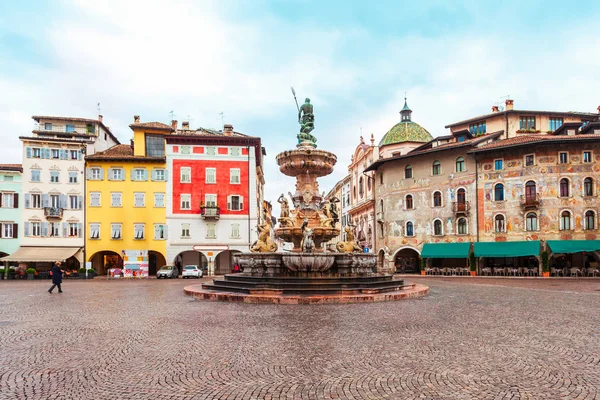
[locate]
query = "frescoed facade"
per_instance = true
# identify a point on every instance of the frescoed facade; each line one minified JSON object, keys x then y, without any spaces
{"x":11,"y":207}
{"x":126,"y":203}
{"x":213,"y":196}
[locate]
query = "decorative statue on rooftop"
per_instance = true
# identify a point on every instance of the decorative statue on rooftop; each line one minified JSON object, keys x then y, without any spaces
{"x":306,"y":119}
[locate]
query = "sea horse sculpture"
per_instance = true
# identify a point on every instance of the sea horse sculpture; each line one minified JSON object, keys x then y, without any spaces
{"x":350,"y":245}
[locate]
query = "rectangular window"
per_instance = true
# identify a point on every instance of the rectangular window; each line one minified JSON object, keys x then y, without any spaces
{"x":138,"y":231}
{"x":116,"y":174}
{"x":96,"y":174}
{"x":234,"y":175}
{"x":115,"y":199}
{"x":55,"y":201}
{"x":185,"y":150}
{"x":37,"y":153}
{"x":160,"y":232}
{"x":8,"y":200}
{"x":587,"y":156}
{"x":211,"y":150}
{"x":7,"y":231}
{"x":115,"y":231}
{"x":555,"y":123}
{"x":185,"y":202}
{"x":155,"y":146}
{"x":159,"y":199}
{"x":72,"y":177}
{"x":140,"y":174}
{"x":36,"y":201}
{"x":185,"y":230}
{"x":69,"y":128}
{"x":94,"y":231}
{"x":563,"y":157}
{"x":234,"y":151}
{"x":210,"y":200}
{"x":159,"y":175}
{"x":74,"y":154}
{"x":54,"y":176}
{"x":498,"y":165}
{"x":73,"y":229}
{"x":74,"y":202}
{"x":235,"y":231}
{"x":139,"y":199}
{"x":211,"y":231}
{"x":48,"y":126}
{"x":235,"y":203}
{"x":185,"y":175}
{"x":95,"y":199}
{"x":478,"y":128}
{"x":211,"y":175}
{"x":529,"y":160}
{"x":36,"y":229}
{"x":527,"y":123}
{"x":35,"y":175}
{"x":56,"y":153}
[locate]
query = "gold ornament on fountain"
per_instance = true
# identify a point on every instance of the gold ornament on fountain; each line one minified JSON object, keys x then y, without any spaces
{"x":264,"y":244}
{"x":350,"y":245}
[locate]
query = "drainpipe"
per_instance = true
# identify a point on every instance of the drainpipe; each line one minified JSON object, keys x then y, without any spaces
{"x":84,"y":213}
{"x":477,"y":195}
{"x":248,"y":200}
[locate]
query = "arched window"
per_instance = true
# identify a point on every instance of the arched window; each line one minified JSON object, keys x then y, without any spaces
{"x":461,"y":199}
{"x":565,"y":221}
{"x":436,"y":168}
{"x":460,"y":164}
{"x":499,"y":223}
{"x":409,"y":202}
{"x":361,"y":188}
{"x":408,"y":172}
{"x":410,"y":229}
{"x":590,"y":220}
{"x":499,"y":192}
{"x":437,"y":199}
{"x":588,"y":187}
{"x":462,"y":226}
{"x":530,"y":192}
{"x":531,"y":222}
{"x":437,"y":227}
{"x":564,"y":187}
{"x":354,"y":190}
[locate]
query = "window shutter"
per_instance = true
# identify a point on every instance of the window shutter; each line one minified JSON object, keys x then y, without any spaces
{"x":145,"y":175}
{"x":26,"y":228}
{"x":28,"y":152}
{"x":16,"y":200}
{"x":241,"y":202}
{"x":15,"y":231}
{"x":229,"y":202}
{"x":88,"y":174}
{"x":44,"y":229}
{"x":47,"y":152}
{"x":110,"y":174}
{"x":1,"y":200}
{"x":153,"y":175}
{"x":166,"y":175}
{"x":156,"y":231}
{"x":65,"y":227}
{"x":102,"y":173}
{"x":79,"y":155}
{"x":80,"y":229}
{"x":27,"y":200}
{"x":132,"y":177}
{"x":45,"y":200}
{"x":165,"y":231}
{"x":63,"y":201}
{"x":63,"y":154}
{"x":79,"y":202}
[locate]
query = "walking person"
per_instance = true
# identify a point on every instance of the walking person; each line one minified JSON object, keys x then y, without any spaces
{"x":56,"y":277}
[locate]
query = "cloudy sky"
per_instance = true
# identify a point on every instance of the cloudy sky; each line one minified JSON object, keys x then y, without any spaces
{"x":354,"y":59}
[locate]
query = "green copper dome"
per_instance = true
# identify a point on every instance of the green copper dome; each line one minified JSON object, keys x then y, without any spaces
{"x":406,"y":130}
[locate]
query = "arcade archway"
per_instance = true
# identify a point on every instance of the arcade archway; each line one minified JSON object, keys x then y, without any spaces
{"x":406,"y":261}
{"x":224,"y":262}
{"x":155,"y":261}
{"x":190,"y":257}
{"x":102,"y":261}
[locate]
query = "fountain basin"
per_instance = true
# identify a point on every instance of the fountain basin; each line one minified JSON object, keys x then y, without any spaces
{"x":300,"y":161}
{"x":303,"y":262}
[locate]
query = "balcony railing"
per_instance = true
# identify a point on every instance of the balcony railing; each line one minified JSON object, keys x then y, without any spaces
{"x":81,"y":130}
{"x":53,"y":212}
{"x":461,"y":207}
{"x":530,"y":200}
{"x":210,"y":212}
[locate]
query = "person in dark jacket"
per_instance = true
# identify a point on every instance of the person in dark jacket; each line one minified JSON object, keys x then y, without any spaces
{"x":56,"y":277}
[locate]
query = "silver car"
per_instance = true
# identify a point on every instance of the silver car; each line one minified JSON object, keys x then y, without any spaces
{"x":168,"y":271}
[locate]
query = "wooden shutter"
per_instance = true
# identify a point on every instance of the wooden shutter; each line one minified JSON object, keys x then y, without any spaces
{"x":15,"y":231}
{"x":145,"y":174}
{"x":27,"y":200}
{"x":88,"y":174}
{"x":229,"y":202}
{"x":26,"y":228}
{"x":80,"y":202}
{"x":45,"y":200}
{"x":1,"y":196}
{"x":63,"y":201}
{"x":28,"y":152}
{"x":16,"y":200}
{"x":132,"y":177}
{"x":153,"y":174}
{"x":241,"y":202}
{"x":65,"y":227}
{"x":44,"y":229}
{"x":101,"y":173}
{"x":80,"y":229}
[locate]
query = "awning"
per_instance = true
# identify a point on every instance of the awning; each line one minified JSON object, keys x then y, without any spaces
{"x":507,"y":249}
{"x":41,"y":254}
{"x":446,"y":250}
{"x":573,"y":246}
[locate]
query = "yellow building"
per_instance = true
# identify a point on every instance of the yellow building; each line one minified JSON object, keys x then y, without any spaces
{"x":126,"y":203}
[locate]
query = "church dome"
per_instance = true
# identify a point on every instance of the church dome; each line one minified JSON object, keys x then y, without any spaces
{"x":406,"y":130}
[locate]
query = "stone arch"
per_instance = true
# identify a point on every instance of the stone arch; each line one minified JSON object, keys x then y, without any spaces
{"x":224,"y":262}
{"x":105,"y":259}
{"x":406,"y":259}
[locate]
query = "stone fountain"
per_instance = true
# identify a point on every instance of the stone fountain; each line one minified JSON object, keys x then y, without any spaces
{"x":308,"y":271}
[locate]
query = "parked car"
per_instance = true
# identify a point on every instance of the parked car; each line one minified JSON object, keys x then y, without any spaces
{"x":191,"y":271}
{"x":168,"y":271}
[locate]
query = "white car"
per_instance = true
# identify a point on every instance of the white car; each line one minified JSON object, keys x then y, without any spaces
{"x":191,"y":271}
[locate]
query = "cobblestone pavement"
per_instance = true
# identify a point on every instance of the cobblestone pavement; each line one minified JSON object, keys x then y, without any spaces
{"x":145,"y":340}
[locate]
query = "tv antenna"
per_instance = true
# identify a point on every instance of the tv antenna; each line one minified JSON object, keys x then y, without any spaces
{"x":222,"y":118}
{"x":171,"y":114}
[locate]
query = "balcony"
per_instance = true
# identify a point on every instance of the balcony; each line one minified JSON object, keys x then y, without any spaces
{"x":53,"y":212}
{"x":73,"y":130}
{"x":530,"y":200}
{"x":210,"y":212}
{"x":461,"y":207}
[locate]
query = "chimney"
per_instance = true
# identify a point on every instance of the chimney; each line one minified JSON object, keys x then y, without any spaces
{"x":495,"y":109}
{"x":185,"y":125}
{"x":99,"y":118}
{"x":131,"y":143}
{"x":228,"y":130}
{"x":174,"y":124}
{"x":598,"y":109}
{"x":136,"y":119}
{"x":509,"y":104}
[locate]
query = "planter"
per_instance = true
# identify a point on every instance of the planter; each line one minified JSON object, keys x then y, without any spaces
{"x":1,"y":276}
{"x":473,"y":273}
{"x":423,"y":272}
{"x":30,"y":276}
{"x":546,"y":274}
